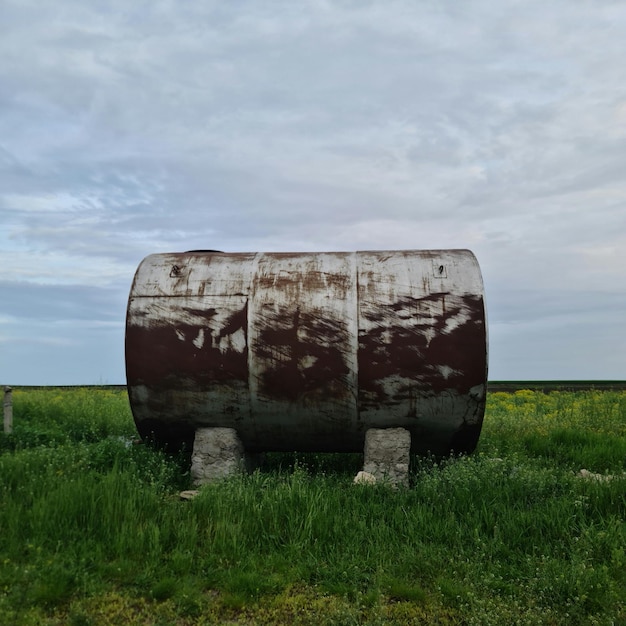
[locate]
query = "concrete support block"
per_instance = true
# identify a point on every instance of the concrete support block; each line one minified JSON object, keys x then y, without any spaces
{"x":387,"y":455}
{"x":217,"y":453}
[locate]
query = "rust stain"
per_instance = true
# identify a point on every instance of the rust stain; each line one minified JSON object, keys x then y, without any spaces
{"x":156,"y":356}
{"x":417,"y":351}
{"x":412,"y":355}
{"x":300,"y":357}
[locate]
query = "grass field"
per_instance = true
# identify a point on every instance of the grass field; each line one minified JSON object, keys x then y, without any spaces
{"x":92,"y":530}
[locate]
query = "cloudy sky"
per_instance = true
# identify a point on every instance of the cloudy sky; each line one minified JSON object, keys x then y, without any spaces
{"x":128,"y":128}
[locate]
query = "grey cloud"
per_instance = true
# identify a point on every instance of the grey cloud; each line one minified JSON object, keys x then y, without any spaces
{"x":129,"y":129}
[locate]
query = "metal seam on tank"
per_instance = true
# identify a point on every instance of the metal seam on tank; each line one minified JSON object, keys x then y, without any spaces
{"x":251,"y":307}
{"x":355,"y":336}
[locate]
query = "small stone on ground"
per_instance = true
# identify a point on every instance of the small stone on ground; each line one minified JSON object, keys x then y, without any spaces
{"x":364,"y":478}
{"x":189,"y":494}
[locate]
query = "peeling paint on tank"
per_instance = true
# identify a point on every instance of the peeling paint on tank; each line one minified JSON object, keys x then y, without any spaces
{"x":306,"y":351}
{"x":198,"y":342}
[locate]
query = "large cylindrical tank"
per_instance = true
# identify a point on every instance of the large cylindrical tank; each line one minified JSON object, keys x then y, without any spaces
{"x":307,"y":351}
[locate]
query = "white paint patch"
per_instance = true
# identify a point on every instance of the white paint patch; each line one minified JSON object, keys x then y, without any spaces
{"x":235,"y":342}
{"x":445,"y":371}
{"x":307,"y":361}
{"x":454,"y":322}
{"x":199,"y":340}
{"x":180,"y":334}
{"x":429,"y":334}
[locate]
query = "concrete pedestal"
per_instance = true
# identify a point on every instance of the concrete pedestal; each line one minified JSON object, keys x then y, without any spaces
{"x":386,"y":455}
{"x":217,"y":453}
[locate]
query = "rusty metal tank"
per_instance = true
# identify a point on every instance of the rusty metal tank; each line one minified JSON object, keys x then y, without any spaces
{"x":307,"y":351}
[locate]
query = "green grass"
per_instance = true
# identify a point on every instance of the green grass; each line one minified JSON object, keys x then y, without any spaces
{"x":92,"y":530}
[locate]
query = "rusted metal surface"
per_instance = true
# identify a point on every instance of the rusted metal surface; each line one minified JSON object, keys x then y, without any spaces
{"x":307,"y":351}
